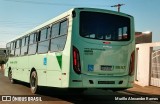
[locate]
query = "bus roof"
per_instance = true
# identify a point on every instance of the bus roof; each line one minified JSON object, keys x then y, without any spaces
{"x":65,"y":14}
{"x":43,"y":24}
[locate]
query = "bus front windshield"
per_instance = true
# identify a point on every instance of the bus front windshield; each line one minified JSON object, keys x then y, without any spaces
{"x":103,"y":26}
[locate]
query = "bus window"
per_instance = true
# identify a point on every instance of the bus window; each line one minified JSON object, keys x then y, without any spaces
{"x":17,"y":43}
{"x":48,"y":32}
{"x":58,"y":44}
{"x":55,"y":30}
{"x":12,"y":49}
{"x":31,"y":39}
{"x":8,"y":48}
{"x":43,"y":46}
{"x":23,"y":41}
{"x":24,"y":46}
{"x":33,"y":45}
{"x":43,"y":34}
{"x":17,"y":49}
{"x":27,"y":40}
{"x":103,"y":26}
{"x":32,"y":49}
{"x":122,"y":33}
{"x":63,"y":28}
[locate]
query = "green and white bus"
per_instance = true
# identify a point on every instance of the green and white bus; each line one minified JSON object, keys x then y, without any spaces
{"x":81,"y":48}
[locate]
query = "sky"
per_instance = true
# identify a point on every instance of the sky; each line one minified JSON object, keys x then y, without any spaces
{"x":19,"y":16}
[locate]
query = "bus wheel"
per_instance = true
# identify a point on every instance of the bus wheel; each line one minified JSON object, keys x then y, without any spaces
{"x":10,"y":77}
{"x":33,"y":82}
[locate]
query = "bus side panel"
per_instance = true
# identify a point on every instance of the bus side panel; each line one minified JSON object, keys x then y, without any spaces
{"x":54,"y":78}
{"x":59,"y":63}
{"x":8,"y":64}
{"x":13,"y":65}
{"x":22,"y":66}
{"x":66,"y":68}
{"x":66,"y":57}
{"x":53,"y":71}
{"x":40,"y":68}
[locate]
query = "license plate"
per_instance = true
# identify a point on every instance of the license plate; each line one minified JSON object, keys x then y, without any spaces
{"x":106,"y":68}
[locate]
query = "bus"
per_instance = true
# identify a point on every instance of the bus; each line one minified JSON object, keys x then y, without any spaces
{"x":79,"y":49}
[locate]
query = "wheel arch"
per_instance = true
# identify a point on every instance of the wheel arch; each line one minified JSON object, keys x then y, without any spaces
{"x":33,"y":69}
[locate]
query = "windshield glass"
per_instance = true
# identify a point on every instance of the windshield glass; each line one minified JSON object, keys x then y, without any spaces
{"x":103,"y":26}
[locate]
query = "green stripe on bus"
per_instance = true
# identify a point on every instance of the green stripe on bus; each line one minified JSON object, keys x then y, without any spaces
{"x":59,"y":59}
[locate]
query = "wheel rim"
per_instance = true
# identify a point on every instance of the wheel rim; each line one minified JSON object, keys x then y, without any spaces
{"x":33,"y":82}
{"x":10,"y":76}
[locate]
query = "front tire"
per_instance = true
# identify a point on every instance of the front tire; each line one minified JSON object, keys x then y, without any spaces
{"x":34,"y":82}
{"x":10,"y":77}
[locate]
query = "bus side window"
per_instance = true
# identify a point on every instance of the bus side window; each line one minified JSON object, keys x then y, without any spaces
{"x":24,"y":46}
{"x":27,"y":45}
{"x":33,"y":44}
{"x":58,"y":43}
{"x":8,"y":49}
{"x":55,"y":30}
{"x":63,"y":27}
{"x":17,"y":49}
{"x":12,"y":53}
{"x":48,"y":32}
{"x":27,"y":40}
{"x":43,"y":45}
{"x":36,"y":37}
{"x":31,"y":39}
{"x":43,"y":34}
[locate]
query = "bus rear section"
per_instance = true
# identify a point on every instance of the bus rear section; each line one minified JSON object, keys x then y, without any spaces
{"x":103,"y":51}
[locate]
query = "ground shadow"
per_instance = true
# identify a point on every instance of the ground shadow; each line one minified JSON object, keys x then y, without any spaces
{"x":94,"y":96}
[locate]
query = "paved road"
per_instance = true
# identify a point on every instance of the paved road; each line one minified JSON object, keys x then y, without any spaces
{"x":64,"y":97}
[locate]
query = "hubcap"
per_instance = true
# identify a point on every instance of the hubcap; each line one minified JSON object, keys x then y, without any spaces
{"x":33,"y":82}
{"x":10,"y":76}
